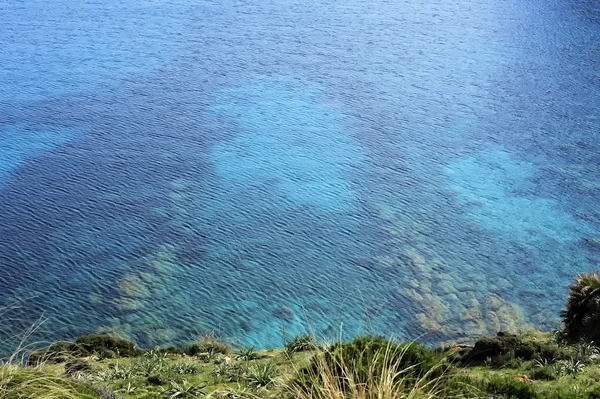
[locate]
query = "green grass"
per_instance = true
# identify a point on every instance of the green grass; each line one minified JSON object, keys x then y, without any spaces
{"x":21,"y":382}
{"x":158,"y":375}
{"x":366,"y":368}
{"x":572,"y":377}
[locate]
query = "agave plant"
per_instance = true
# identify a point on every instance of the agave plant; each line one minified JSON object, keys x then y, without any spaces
{"x":262,"y":375}
{"x":301,"y":343}
{"x":117,"y":371}
{"x":571,"y":366}
{"x":543,"y":362}
{"x":185,"y":368}
{"x":586,"y":352}
{"x":183,"y":390}
{"x":246,"y":353}
{"x":581,"y":318}
{"x":229,"y":372}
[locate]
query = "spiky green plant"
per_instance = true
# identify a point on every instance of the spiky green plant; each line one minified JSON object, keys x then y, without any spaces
{"x":301,"y":343}
{"x":116,"y":371}
{"x":208,"y":345}
{"x":261,"y":375}
{"x":246,"y":353}
{"x":373,"y":368}
{"x":153,"y":362}
{"x":185,"y":368}
{"x":587,"y":352}
{"x":581,"y":318}
{"x":571,"y":366}
{"x":183,"y":390}
{"x":230,"y":372}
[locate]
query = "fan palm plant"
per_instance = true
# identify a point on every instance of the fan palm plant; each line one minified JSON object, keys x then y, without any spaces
{"x":582,"y":315}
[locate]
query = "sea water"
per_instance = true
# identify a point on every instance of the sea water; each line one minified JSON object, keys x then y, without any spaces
{"x":425,"y":170}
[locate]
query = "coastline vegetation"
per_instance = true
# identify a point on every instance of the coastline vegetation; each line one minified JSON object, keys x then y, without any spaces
{"x":562,"y":364}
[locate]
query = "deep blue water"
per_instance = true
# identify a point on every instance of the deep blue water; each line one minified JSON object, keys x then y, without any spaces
{"x":423,"y":169}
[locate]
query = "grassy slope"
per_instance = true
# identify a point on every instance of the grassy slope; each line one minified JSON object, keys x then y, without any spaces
{"x":577,"y":382}
{"x":140,"y":386}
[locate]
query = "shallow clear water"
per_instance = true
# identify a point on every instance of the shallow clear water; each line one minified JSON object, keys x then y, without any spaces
{"x":424,"y":169}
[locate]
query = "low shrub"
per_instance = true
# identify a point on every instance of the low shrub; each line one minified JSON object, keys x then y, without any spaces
{"x":155,"y":380}
{"x":301,"y":343}
{"x":55,"y":353}
{"x":207,"y":344}
{"x":246,"y":353}
{"x":18,"y":382}
{"x":185,"y":368}
{"x":152,"y":363}
{"x":594,"y":392}
{"x":173,"y":350}
{"x":545,"y":373}
{"x":366,"y":361}
{"x":488,"y":347}
{"x":501,"y":360}
{"x":363,"y":351}
{"x":75,"y":366}
{"x":101,"y":345}
{"x":229,"y":372}
{"x":507,"y":387}
{"x":261,"y":375}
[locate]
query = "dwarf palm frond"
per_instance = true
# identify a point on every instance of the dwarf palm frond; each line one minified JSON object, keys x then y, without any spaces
{"x":582,"y":315}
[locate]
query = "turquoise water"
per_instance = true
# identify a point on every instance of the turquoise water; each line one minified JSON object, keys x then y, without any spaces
{"x":425,"y":170}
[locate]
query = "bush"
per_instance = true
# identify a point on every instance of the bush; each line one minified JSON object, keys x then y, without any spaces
{"x":301,"y":343}
{"x":75,"y":366}
{"x":208,"y":343}
{"x":362,"y":351}
{"x":55,"y":353}
{"x":594,"y":393}
{"x":513,"y":347}
{"x":154,"y":380}
{"x":501,"y":360}
{"x":102,"y":344}
{"x":546,"y":373}
{"x":367,"y":359}
{"x":508,"y":387}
